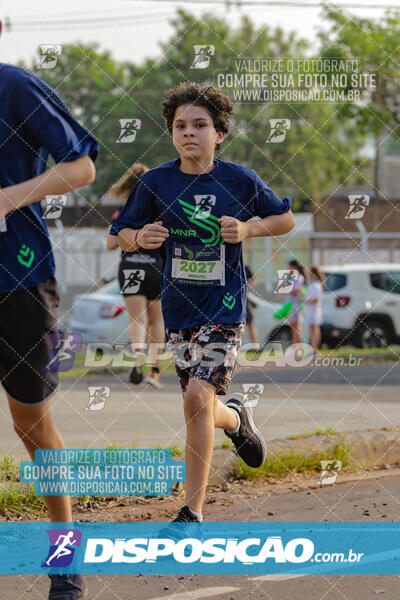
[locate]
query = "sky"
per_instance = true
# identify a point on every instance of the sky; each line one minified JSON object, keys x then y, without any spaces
{"x":145,"y":23}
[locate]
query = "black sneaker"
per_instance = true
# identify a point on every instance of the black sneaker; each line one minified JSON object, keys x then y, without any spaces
{"x":192,"y":527}
{"x":67,"y":587}
{"x":136,"y":375}
{"x":248,"y":441}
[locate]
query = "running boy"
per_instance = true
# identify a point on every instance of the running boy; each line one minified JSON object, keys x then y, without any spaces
{"x":195,"y":208}
{"x":34,"y":122}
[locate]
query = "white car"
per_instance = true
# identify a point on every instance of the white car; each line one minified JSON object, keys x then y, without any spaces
{"x":361,"y":304}
{"x":269,"y":328}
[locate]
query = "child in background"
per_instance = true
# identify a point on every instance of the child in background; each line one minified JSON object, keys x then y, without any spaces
{"x":313,"y":305}
{"x":295,"y":296}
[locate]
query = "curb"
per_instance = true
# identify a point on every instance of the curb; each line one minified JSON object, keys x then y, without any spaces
{"x":367,"y":448}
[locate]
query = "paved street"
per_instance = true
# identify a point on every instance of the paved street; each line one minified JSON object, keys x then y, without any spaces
{"x":342,"y":502}
{"x":290,"y":404}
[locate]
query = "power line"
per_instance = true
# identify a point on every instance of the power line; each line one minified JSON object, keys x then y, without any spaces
{"x":283,"y":3}
{"x":90,"y":23}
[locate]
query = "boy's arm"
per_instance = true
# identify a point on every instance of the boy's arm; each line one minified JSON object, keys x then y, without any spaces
{"x":150,"y":236}
{"x":61,"y":178}
{"x":112,"y":242}
{"x":234,"y":231}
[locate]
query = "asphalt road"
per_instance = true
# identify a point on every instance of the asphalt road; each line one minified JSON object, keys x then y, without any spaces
{"x":341,"y":502}
{"x":293,"y":401}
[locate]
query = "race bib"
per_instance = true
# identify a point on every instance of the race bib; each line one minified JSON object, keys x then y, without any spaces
{"x":198,"y":265}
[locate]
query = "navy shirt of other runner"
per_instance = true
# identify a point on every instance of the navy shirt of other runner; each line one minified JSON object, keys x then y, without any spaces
{"x":189,"y":206}
{"x":34,"y":123}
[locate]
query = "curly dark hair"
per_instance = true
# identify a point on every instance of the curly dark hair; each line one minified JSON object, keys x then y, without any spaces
{"x":218,"y":105}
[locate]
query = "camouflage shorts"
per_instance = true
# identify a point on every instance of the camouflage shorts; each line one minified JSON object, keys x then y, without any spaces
{"x":207,"y":352}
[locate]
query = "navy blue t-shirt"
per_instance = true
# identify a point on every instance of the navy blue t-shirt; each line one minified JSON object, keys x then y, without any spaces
{"x":203,"y":280}
{"x":34,"y":123}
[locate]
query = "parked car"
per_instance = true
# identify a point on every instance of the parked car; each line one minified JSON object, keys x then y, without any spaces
{"x":101,"y":316}
{"x":361,"y":305}
{"x":269,"y":328}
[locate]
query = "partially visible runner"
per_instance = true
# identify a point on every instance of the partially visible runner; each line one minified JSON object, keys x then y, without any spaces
{"x":139,"y":276}
{"x":253,"y":332}
{"x":35,"y":123}
{"x":295,"y":318}
{"x":195,"y":208}
{"x":313,"y":306}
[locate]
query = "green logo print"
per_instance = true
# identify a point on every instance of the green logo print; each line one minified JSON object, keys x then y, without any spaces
{"x":229,"y":301}
{"x":25,"y":256}
{"x":189,"y":252}
{"x":210,"y":224}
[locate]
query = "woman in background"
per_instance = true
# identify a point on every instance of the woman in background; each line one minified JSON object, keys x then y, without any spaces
{"x":139,"y":277}
{"x":299,"y":278}
{"x":313,"y":305}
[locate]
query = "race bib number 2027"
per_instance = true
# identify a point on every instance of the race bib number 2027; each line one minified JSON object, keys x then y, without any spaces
{"x":198,"y":265}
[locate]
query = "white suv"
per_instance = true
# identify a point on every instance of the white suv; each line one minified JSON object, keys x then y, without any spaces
{"x":361,"y":305}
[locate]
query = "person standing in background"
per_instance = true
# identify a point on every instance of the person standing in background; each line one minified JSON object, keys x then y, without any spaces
{"x":299,"y":278}
{"x":139,"y":276}
{"x":313,"y":306}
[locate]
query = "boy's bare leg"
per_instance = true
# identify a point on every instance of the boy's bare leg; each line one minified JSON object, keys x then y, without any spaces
{"x":35,"y":427}
{"x":137,"y":311}
{"x":201,"y":408}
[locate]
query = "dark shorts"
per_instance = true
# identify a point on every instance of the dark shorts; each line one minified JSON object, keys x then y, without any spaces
{"x":207,"y":352}
{"x":26,"y":319}
{"x":140,"y":278}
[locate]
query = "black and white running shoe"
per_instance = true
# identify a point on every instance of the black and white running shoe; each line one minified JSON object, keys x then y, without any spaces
{"x":248,"y":441}
{"x":185,"y":525}
{"x":136,"y":375}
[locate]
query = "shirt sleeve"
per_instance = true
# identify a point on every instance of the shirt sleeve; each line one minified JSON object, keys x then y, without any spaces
{"x":139,"y":209}
{"x":46,"y":117}
{"x":265,"y":201}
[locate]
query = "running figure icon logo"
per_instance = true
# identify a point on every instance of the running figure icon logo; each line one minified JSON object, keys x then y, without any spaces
{"x":358,"y":205}
{"x":63,"y":543}
{"x":286,"y":279}
{"x":49,"y":54}
{"x":252,"y":393}
{"x":63,"y":348}
{"x":98,"y":395}
{"x":54,"y":206}
{"x":202,"y":56}
{"x":279,"y":129}
{"x":329,"y":471}
{"x":129,"y":128}
{"x":132,"y":280}
{"x":204,"y":204}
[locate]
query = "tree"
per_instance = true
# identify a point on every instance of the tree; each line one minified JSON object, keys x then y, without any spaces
{"x":376,"y":42}
{"x":320,"y":150}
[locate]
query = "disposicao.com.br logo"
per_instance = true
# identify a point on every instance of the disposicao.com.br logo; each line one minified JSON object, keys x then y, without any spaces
{"x":247,"y":551}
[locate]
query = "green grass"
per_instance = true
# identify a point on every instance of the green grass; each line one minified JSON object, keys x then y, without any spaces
{"x":19,"y":499}
{"x":16,"y":498}
{"x":306,"y":434}
{"x":281,"y":464}
{"x":227,"y":444}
